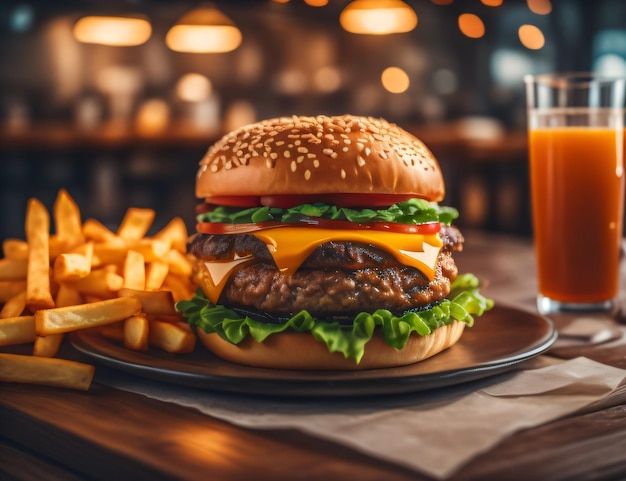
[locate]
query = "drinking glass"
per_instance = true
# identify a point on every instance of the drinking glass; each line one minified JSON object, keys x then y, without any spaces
{"x":575,"y":140}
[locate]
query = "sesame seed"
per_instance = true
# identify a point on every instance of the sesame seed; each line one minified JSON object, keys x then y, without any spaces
{"x":328,"y":152}
{"x":316,"y":163}
{"x":343,"y":174}
{"x":286,"y":154}
{"x":294,"y":166}
{"x":307,"y":174}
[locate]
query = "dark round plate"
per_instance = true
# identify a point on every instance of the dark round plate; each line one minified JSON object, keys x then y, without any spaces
{"x":497,"y":342}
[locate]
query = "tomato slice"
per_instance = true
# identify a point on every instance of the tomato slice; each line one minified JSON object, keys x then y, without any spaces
{"x":234,"y":200}
{"x":317,"y":222}
{"x":286,"y":201}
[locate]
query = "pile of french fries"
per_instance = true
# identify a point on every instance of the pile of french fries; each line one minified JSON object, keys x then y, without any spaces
{"x":121,"y":284}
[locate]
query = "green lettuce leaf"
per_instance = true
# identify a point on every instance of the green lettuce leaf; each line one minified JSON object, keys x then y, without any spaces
{"x":464,"y":302}
{"x":413,"y":211}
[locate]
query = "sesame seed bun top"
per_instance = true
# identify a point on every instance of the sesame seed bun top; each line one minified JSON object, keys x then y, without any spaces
{"x":320,"y":155}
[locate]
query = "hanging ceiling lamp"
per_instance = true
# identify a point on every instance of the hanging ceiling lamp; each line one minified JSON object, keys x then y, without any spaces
{"x":118,"y":31}
{"x":204,"y":30}
{"x":378,"y":17}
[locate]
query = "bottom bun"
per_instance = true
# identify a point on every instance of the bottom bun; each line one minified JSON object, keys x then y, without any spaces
{"x":294,"y":350}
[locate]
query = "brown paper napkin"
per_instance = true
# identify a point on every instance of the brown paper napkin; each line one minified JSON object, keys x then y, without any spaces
{"x":447,"y":427}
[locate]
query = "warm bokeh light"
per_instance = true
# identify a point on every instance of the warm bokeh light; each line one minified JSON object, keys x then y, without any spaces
{"x":540,"y":7}
{"x":471,"y":25}
{"x":492,"y":3}
{"x":395,"y":80}
{"x":316,"y":3}
{"x":327,"y":79}
{"x":204,"y":30}
{"x":152,"y":117}
{"x":531,"y":37}
{"x":114,"y":31}
{"x":193,"y":87}
{"x":378,"y":17}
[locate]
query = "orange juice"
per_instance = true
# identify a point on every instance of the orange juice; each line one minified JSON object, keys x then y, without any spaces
{"x":577,"y":182}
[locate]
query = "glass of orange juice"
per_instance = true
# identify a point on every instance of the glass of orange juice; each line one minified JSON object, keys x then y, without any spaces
{"x":575,"y":141}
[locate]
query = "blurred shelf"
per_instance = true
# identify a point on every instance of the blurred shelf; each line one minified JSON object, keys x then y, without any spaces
{"x":444,"y":140}
{"x":65,"y":137}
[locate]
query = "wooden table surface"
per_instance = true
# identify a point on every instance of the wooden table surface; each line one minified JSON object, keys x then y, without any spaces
{"x":107,"y":434}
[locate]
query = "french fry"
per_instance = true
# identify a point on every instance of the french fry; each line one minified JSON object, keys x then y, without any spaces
{"x":156,"y":272}
{"x":113,"y":331}
{"x":47,"y":371}
{"x":15,"y":249}
{"x":67,"y":219}
{"x":178,"y":263}
{"x":38,"y":294}
{"x":100,"y":283}
{"x":152,"y":302}
{"x":136,"y":333}
{"x":71,"y":267}
{"x":181,"y":288}
{"x":176,"y":233}
{"x":14,"y":307}
{"x":96,"y":231}
{"x":12,"y":269}
{"x":17,"y":330}
{"x":136,"y":223}
{"x":67,"y":295}
{"x":170,"y":337}
{"x":8,"y":289}
{"x":47,"y":346}
{"x":151,"y":249}
{"x":134,"y":271}
{"x":72,"y":318}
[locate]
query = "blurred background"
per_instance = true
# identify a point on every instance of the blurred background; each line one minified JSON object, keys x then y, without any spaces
{"x":117,"y":100}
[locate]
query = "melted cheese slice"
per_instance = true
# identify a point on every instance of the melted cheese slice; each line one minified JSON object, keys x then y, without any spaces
{"x":290,"y":246}
{"x":217,"y":273}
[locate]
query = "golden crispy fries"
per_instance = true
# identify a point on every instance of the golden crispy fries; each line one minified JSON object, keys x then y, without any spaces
{"x":136,"y":333}
{"x":100,"y":283}
{"x":114,"y":331}
{"x":38,"y":294}
{"x":98,"y":232}
{"x":181,"y":288}
{"x":134,"y":271}
{"x":47,"y":346}
{"x":151,"y":249}
{"x":67,"y":295}
{"x":156,"y":272}
{"x":17,"y":330}
{"x":15,"y":249}
{"x":14,"y":307}
{"x":72,"y":318}
{"x":67,"y":219}
{"x":47,"y":371}
{"x":8,"y":289}
{"x":176,"y":233}
{"x":170,"y":337}
{"x":71,"y":267}
{"x":178,"y":263}
{"x":136,"y":223}
{"x":11,"y":269}
{"x":119,"y":284}
{"x":152,"y":302}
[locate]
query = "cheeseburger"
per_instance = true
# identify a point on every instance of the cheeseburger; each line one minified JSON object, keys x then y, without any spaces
{"x":321,"y":245}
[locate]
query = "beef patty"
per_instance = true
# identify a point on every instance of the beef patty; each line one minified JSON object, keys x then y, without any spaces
{"x":338,"y":279}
